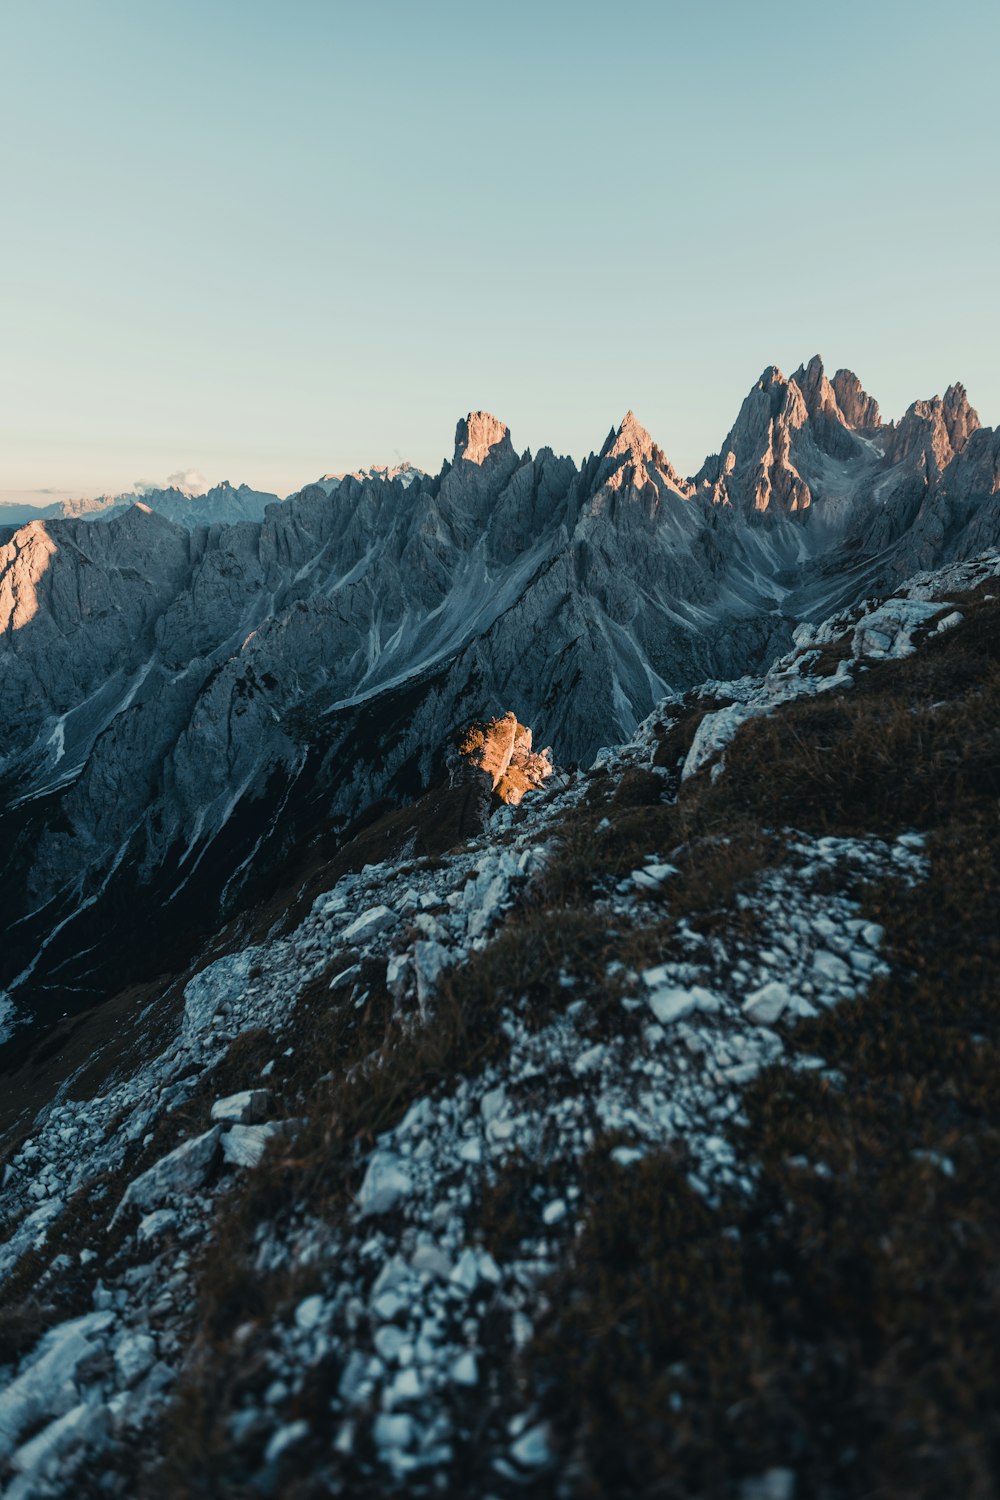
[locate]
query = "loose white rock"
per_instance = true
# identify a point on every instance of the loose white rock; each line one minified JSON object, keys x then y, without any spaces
{"x":465,"y":1371}
{"x":45,"y":1388}
{"x":493,"y":1103}
{"x":466,"y":1272}
{"x":830,"y":967}
{"x":370,"y":923}
{"x":765,"y":1005}
{"x":44,"y":1456}
{"x":775,"y":1484}
{"x":388,"y":1341}
{"x":284,"y":1438}
{"x":392,"y":1431}
{"x":385,"y":1184}
{"x":309,"y":1313}
{"x":134,"y":1355}
{"x":244,"y":1145}
{"x":675,"y":1001}
{"x":429,"y":962}
{"x":158,"y":1222}
{"x":182,"y":1171}
{"x":243,"y":1108}
{"x":532,"y":1448}
{"x":432,"y":1261}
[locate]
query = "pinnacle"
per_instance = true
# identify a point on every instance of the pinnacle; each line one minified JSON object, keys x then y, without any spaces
{"x":629,"y":437}
{"x":478,"y":435}
{"x":812,"y":369}
{"x":632,"y":427}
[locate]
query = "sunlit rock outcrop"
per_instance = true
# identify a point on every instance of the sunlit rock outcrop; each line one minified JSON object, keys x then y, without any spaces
{"x":756,"y":470}
{"x":501,"y":751}
{"x":479,"y":437}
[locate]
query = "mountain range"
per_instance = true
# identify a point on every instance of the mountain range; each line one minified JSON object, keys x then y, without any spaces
{"x":499,"y":991}
{"x":221,"y":505}
{"x":195,"y":689}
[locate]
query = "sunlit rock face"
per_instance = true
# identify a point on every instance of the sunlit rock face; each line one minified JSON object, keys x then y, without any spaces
{"x":805,"y":438}
{"x":934,"y":432}
{"x":501,"y":751}
{"x":858,"y":409}
{"x":23,"y":565}
{"x":479,"y":437}
{"x":756,"y":470}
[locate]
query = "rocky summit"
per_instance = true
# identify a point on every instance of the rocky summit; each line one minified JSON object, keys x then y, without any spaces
{"x":390,"y":1107}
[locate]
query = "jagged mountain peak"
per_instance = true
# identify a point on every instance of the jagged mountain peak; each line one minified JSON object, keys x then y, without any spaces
{"x":631,"y":437}
{"x":480,"y":436}
{"x":811,"y":374}
{"x":404,"y":471}
{"x":797,"y":438}
{"x":960,"y":418}
{"x":630,"y":454}
{"x":628,"y":438}
{"x":954,"y":404}
{"x":771,"y":378}
{"x":755,"y":470}
{"x":936,"y":428}
{"x":958,"y":409}
{"x":857,"y":407}
{"x":819,"y":392}
{"x":631,"y":424}
{"x":842,"y":399}
{"x":829,"y":426}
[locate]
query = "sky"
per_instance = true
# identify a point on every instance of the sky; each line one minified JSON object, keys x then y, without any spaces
{"x":266,"y":239}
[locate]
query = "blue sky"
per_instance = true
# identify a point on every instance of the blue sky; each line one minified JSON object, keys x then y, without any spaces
{"x":266,"y":240}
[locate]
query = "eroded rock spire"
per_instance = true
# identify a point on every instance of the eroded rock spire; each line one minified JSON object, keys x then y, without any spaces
{"x":480,"y":436}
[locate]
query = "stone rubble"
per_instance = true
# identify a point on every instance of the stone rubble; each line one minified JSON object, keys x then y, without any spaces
{"x":405,"y":1308}
{"x":881,"y":631}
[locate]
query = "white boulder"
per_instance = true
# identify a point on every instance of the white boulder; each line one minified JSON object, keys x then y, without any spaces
{"x":385,"y":1185}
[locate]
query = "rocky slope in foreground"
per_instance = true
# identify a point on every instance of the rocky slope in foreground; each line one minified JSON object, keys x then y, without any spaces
{"x":183,"y":709}
{"x":642,"y":1142}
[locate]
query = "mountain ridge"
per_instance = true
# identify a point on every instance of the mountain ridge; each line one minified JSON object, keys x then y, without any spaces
{"x":828,"y":402}
{"x":316,"y":659}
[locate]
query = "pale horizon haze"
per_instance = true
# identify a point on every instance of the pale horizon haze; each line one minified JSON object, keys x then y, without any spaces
{"x":264,"y":241}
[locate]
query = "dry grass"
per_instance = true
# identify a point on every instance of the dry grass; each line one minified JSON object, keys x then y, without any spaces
{"x":909,"y":746}
{"x":844,"y":1324}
